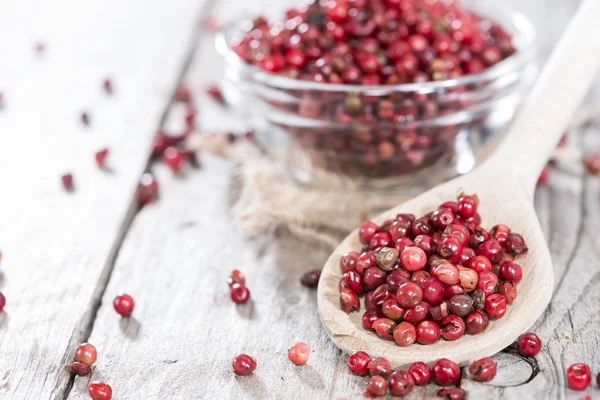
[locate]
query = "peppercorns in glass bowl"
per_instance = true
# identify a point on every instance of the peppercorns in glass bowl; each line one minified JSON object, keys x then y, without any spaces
{"x":380,"y":94}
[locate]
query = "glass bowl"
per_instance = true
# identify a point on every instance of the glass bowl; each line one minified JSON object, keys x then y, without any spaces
{"x":411,"y":136}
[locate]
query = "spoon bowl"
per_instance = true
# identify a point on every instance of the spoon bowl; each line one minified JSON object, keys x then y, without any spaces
{"x":505,"y":185}
{"x":498,"y":204}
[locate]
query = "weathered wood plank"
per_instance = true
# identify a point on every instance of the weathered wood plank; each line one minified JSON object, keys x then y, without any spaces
{"x":186,"y":330}
{"x":58,"y":247}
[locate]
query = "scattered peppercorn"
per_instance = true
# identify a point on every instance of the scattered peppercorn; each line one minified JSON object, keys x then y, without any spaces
{"x":311,"y":278}
{"x":124,"y":304}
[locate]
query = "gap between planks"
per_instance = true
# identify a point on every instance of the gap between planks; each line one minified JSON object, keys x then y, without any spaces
{"x":84,"y":328}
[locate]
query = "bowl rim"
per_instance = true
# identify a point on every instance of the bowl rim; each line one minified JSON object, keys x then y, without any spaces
{"x":525,"y":36}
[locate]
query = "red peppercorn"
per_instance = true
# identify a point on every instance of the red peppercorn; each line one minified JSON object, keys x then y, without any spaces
{"x":446,"y":272}
{"x":107,"y":86}
{"x":515,"y":244}
{"x":413,"y":258}
{"x":367,"y":230}
{"x":420,"y":372}
{"x":377,"y":386}
{"x":469,"y":279}
{"x":488,"y":282}
{"x":99,"y":391}
{"x":409,"y":295}
{"x":183,"y":94}
{"x":445,"y":372}
{"x":379,"y":240}
{"x":311,"y":278}
{"x":592,"y":163}
{"x":86,"y":353}
{"x":79,"y":368}
{"x":173,"y":158}
{"x":354,"y":281}
{"x":401,"y":383}
{"x":405,"y":334}
{"x":124,"y":304}
{"x":358,"y":363}
{"x":579,"y":376}
{"x":433,"y":290}
{"x":450,"y":248}
{"x":239,"y":293}
{"x":2,"y":302}
{"x":348,"y":261}
{"x":480,"y":264}
{"x":236,"y":277}
{"x":392,"y":310}
{"x":508,"y":289}
{"x":476,"y":322}
{"x":369,"y":317}
{"x":147,"y":190}
{"x":298,"y":353}
{"x":428,"y":332}
{"x":495,"y":306}
{"x":510,"y":271}
{"x":453,"y":327}
{"x":349,"y":300}
{"x":67,"y":182}
{"x":529,"y":344}
{"x":466,"y":207}
{"x":101,"y":157}
{"x":396,"y":278}
{"x":384,"y":328}
{"x":243,"y":364}
{"x":417,"y":314}
{"x":451,"y":393}
{"x":380,"y":366}
{"x":365,"y":261}
{"x":85,"y":118}
{"x":483,"y":370}
{"x":492,"y":249}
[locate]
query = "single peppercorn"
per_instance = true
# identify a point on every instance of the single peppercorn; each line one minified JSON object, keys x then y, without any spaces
{"x":99,"y":391}
{"x":79,"y":368}
{"x":401,"y":383}
{"x":124,"y":304}
{"x":420,"y":372}
{"x":377,"y":386}
{"x":358,"y":363}
{"x":298,"y":353}
{"x":529,"y":344}
{"x":86,"y":353}
{"x":579,"y":376}
{"x":239,"y":293}
{"x":445,"y":372}
{"x":311,"y":278}
{"x":483,"y":370}
{"x":243,"y":364}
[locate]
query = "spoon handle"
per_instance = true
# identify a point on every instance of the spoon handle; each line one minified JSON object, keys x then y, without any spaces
{"x":557,"y":93}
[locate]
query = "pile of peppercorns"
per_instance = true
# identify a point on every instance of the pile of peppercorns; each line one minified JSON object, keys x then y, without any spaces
{"x":390,"y":42}
{"x":375,"y":42}
{"x":441,"y":274}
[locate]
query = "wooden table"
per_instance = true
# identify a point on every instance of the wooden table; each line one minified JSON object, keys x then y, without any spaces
{"x":66,"y":256}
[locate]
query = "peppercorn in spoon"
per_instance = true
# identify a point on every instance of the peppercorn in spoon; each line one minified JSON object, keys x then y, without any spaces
{"x":505,"y":186}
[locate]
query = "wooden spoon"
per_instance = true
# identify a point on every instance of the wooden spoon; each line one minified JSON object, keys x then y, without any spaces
{"x":505,"y":185}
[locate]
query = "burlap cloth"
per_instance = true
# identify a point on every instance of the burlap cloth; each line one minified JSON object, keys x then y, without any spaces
{"x":270,"y":199}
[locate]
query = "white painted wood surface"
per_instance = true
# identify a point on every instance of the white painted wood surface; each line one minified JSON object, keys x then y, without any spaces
{"x":58,"y":248}
{"x":174,"y":256}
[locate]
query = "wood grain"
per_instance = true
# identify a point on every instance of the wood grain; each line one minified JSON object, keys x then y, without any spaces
{"x":192,"y":245}
{"x":58,"y":247}
{"x":177,"y":253}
